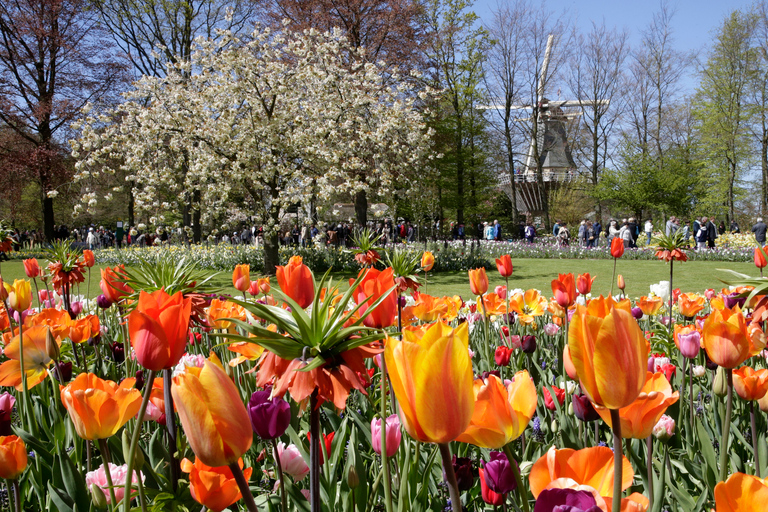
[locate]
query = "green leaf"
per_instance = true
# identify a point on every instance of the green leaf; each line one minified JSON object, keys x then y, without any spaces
{"x":707,"y":450}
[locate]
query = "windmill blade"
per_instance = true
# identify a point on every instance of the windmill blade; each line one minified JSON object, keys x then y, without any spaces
{"x":502,"y":107}
{"x":575,"y":103}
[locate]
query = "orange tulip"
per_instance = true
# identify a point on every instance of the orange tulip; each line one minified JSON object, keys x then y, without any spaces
{"x":13,"y":457}
{"x":375,"y":284}
{"x":639,"y":418}
{"x":727,"y":339}
{"x":608,"y":351}
{"x":57,"y":320}
{"x":650,"y":305}
{"x":112,"y":283}
{"x":429,"y":368}
{"x":263,"y":284}
{"x":690,"y":304}
{"x":84,"y":328}
{"x":617,"y":247}
{"x":212,"y":414}
{"x":584,"y":283}
{"x":568,"y":364}
{"x":36,"y":359}
{"x":741,"y":493}
{"x":220,"y":309}
{"x":635,"y":502}
{"x":427,"y":308}
{"x":528,"y":306}
{"x":19,"y":295}
{"x":247,"y":351}
{"x":478,"y":281}
{"x":427,"y":261}
{"x":620,"y":282}
{"x":31,"y":268}
{"x":88,"y":258}
{"x":98,"y":408}
{"x":493,"y":305}
{"x":592,"y":467}
{"x":215,"y":488}
{"x":241,"y":277}
{"x":501,"y":413}
{"x":564,"y":289}
{"x":296,"y":281}
{"x":504,"y":265}
{"x":158,"y":329}
{"x":750,"y":384}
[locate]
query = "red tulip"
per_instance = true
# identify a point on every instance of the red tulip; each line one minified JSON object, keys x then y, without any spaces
{"x":375,"y":284}
{"x":158,"y":329}
{"x":617,"y":247}
{"x":504,"y":265}
{"x":584,"y":283}
{"x":502,"y":355}
{"x":760,"y":261}
{"x":564,"y":289}
{"x":549,"y":402}
{"x":32,"y":268}
{"x":295,"y":280}
{"x":88,"y":258}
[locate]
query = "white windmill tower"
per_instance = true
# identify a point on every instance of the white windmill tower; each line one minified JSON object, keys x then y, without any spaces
{"x":551,"y":143}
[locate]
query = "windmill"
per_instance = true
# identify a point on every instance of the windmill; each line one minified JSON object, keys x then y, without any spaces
{"x":550,"y":141}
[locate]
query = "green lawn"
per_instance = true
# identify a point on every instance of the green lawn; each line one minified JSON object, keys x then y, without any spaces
{"x":529,"y":273}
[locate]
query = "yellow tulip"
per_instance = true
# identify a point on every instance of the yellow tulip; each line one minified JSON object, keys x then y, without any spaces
{"x":501,"y":413}
{"x":431,"y":375}
{"x":19,"y":295}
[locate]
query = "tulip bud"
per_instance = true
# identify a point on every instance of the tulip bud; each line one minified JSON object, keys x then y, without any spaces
{"x":553,"y":426}
{"x":97,"y":497}
{"x":570,"y":408}
{"x":103,"y":302}
{"x":583,"y":408}
{"x":664,"y":429}
{"x":719,"y":384}
{"x":353,"y":481}
{"x":637,"y":313}
{"x":63,"y":371}
{"x":75,"y":309}
{"x":620,"y":282}
{"x":465,"y":476}
{"x":699,"y":371}
{"x":51,"y":347}
{"x":139,"y":380}
{"x":138,"y":457}
{"x":502,"y":355}
{"x":528,"y":344}
{"x":498,"y":474}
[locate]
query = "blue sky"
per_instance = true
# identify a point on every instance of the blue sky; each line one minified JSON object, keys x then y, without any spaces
{"x":694,"y":21}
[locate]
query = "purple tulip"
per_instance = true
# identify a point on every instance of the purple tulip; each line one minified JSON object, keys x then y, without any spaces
{"x":690,"y":343}
{"x":402,"y":301}
{"x":565,"y":500}
{"x":652,"y":364}
{"x":394,"y":434}
{"x":498,"y":474}
{"x":118,"y":352}
{"x":733,"y":299}
{"x":465,"y":474}
{"x":528,"y":344}
{"x":269,"y":417}
{"x":583,"y":408}
{"x":63,"y":372}
{"x":75,"y":309}
{"x":637,"y":313}
{"x":103,"y":302}
{"x":7,"y":402}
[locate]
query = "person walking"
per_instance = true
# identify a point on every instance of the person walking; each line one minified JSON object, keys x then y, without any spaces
{"x":597,"y":228}
{"x":701,"y":235}
{"x":625,"y":234}
{"x":759,"y":230}
{"x":648,"y":228}
{"x":711,"y":234}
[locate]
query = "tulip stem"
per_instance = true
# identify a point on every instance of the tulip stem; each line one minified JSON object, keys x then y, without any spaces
{"x":16,"y":495}
{"x":726,"y":426}
{"x":618,"y":462}
{"x":671,"y":294}
{"x":613,"y":280}
{"x":170,"y":423}
{"x":450,"y":477}
{"x":753,"y":427}
{"x":383,"y":433}
{"x":131,"y":457}
{"x":690,"y":398}
{"x":314,"y":453}
{"x":242,"y":484}
{"x":107,"y":473}
{"x":649,"y":446}
{"x":279,"y":467}
{"x":518,"y":480}
{"x":30,"y":425}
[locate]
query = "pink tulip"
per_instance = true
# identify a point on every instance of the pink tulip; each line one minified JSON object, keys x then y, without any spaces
{"x":665,"y":428}
{"x":394,"y":435}
{"x":291,"y":461}
{"x":501,"y":291}
{"x":42,"y":295}
{"x":551,"y":329}
{"x":689,"y":343}
{"x":118,"y":474}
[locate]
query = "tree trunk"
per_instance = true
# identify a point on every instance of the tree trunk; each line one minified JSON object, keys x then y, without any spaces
{"x":271,"y":256}
{"x":197,"y":229}
{"x":48,"y":220}
{"x":361,"y":208}
{"x":131,"y":200}
{"x":764,"y":165}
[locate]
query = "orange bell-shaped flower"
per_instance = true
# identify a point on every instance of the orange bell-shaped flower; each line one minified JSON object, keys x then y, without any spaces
{"x":501,"y":413}
{"x":690,"y":304}
{"x":427,"y":261}
{"x":112,"y":283}
{"x":429,"y":369}
{"x":608,"y":351}
{"x":212,"y":414}
{"x":97,"y":407}
{"x":158,"y":329}
{"x":650,"y":305}
{"x":295,"y":280}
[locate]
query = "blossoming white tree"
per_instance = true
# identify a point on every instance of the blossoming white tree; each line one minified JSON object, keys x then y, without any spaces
{"x":273,"y":119}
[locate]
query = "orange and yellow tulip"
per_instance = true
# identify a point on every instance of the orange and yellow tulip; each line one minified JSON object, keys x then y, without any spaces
{"x":501,"y":413}
{"x":478,"y":281}
{"x":727,"y":339}
{"x":374,"y":285}
{"x":493,"y":305}
{"x":296,"y":281}
{"x":220,"y":309}
{"x":584,"y":283}
{"x":429,"y":368}
{"x":650,"y":305}
{"x":241,"y":277}
{"x":427,"y":261}
{"x":620,"y":282}
{"x":263,"y":285}
{"x":592,"y":467}
{"x":750,"y":384}
{"x":97,"y":407}
{"x":213,"y":487}
{"x":112,"y":283}
{"x":639,"y":418}
{"x":13,"y":457}
{"x":690,"y":304}
{"x":608,"y":351}
{"x":564,"y":290}
{"x":57,"y":320}
{"x":158,"y":329}
{"x":741,"y":493}
{"x":427,"y":308}
{"x":213,"y":416}
{"x":36,"y":359}
{"x":19,"y":294}
{"x":528,"y":306}
{"x":504,"y":265}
